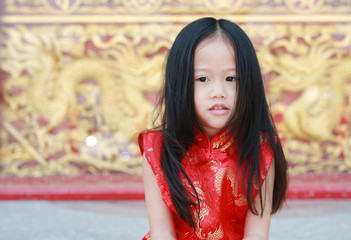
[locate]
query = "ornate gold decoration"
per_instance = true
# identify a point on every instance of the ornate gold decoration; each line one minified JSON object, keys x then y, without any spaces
{"x":66,"y":78}
{"x":61,"y":91}
{"x":142,"y":6}
{"x":62,"y":6}
{"x":126,"y":7}
{"x":223,"y":5}
{"x":310,"y":87}
{"x":304,"y":6}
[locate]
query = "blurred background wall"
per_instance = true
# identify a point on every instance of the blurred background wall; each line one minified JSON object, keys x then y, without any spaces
{"x":79,"y":79}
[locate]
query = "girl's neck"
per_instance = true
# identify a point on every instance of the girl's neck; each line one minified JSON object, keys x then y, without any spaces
{"x":214,"y":134}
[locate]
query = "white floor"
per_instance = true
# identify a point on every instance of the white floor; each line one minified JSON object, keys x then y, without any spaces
{"x":61,"y":220}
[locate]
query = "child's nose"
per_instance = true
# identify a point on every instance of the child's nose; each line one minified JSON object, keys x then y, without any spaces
{"x":218,"y":90}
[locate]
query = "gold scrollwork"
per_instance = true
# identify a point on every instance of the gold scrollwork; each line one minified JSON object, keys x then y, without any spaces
{"x":77,"y":94}
{"x":126,"y":7}
{"x":76,"y":82}
{"x":62,"y":6}
{"x":309,"y":79}
{"x":304,"y":6}
{"x":139,"y":6}
{"x":223,"y":6}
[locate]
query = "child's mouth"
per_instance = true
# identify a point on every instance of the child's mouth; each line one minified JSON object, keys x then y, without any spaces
{"x":219,"y":109}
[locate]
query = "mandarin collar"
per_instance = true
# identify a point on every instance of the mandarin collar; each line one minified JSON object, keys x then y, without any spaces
{"x":219,"y":141}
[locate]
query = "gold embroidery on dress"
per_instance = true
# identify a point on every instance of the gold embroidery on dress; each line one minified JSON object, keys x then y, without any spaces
{"x":221,"y":139}
{"x":215,"y":144}
{"x":228,"y":144}
{"x":216,"y":235}
{"x":204,"y":211}
{"x":261,"y":138}
{"x":218,"y":142}
{"x":213,"y":168}
{"x":218,"y":180}
{"x":241,"y":201}
{"x":239,"y":198}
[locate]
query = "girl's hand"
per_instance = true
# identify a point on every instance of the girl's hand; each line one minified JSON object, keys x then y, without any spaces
{"x":160,"y":216}
{"x":257,"y":226}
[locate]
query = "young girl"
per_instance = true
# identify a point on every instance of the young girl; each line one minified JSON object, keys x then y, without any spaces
{"x":215,"y":169}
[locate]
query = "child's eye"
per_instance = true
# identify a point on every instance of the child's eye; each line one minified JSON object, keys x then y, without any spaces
{"x":203,"y":79}
{"x":231,"y":79}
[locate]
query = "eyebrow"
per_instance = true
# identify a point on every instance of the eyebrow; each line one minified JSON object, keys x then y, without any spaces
{"x":205,"y":69}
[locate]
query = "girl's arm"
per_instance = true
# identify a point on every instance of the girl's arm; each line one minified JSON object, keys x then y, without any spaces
{"x":160,"y":216}
{"x":257,"y":226}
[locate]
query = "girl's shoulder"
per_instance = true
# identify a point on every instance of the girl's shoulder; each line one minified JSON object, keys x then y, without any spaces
{"x":149,"y":140}
{"x":150,"y":144}
{"x":151,"y":133}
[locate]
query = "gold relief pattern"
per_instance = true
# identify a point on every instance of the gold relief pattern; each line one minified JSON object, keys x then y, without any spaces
{"x":223,"y":5}
{"x":304,"y":6}
{"x":61,"y":6}
{"x":142,"y":6}
{"x":310,"y":67}
{"x":65,"y":82}
{"x":68,"y":83}
{"x":177,"y":6}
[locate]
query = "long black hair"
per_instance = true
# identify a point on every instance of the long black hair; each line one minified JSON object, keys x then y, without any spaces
{"x":250,"y":119}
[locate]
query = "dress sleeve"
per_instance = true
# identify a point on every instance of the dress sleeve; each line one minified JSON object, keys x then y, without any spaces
{"x":266,"y":159}
{"x":266,"y":156}
{"x":150,"y":144}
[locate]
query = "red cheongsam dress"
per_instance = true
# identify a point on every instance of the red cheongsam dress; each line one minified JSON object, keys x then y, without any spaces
{"x":212,"y":167}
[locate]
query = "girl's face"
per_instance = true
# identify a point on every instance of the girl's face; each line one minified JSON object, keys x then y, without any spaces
{"x":215,"y":83}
